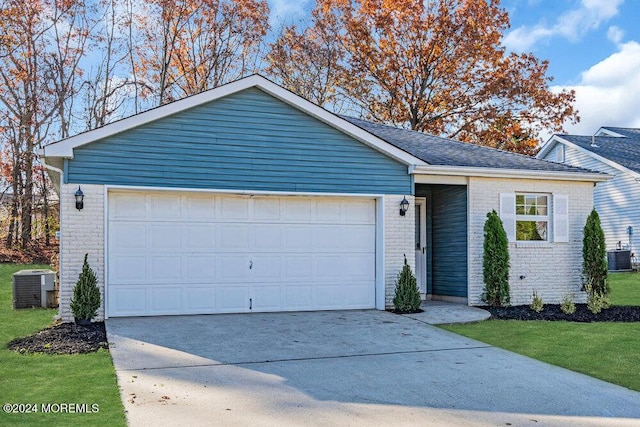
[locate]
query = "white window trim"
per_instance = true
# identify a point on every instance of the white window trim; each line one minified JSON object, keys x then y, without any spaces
{"x":536,"y":218}
{"x":557,"y":219}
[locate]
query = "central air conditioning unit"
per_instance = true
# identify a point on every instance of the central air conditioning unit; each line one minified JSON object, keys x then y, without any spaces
{"x":34,"y":288}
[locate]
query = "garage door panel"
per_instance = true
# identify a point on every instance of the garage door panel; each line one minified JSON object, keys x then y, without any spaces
{"x":233,"y":237}
{"x":127,"y":268}
{"x":359,"y":212}
{"x":329,"y":211}
{"x":200,"y":237}
{"x":127,"y":300}
{"x":127,"y":207}
{"x":200,"y":208}
{"x":266,"y":297}
{"x":358,"y":266}
{"x":165,"y":236}
{"x":266,"y":237}
{"x":297,"y":238}
{"x":266,"y":267}
{"x":266,"y":209}
{"x":232,"y":298}
{"x":296,"y":210}
{"x":299,"y":297}
{"x":200,"y":269}
{"x":200,"y":299}
{"x":234,"y":208}
{"x":328,"y":296}
{"x":127,"y":236}
{"x":165,"y":269}
{"x":165,"y":207}
{"x":360,"y":238}
{"x":232,"y":268}
{"x":201,"y":253}
{"x":358,"y":295}
{"x":298,"y":267}
{"x":165,"y":299}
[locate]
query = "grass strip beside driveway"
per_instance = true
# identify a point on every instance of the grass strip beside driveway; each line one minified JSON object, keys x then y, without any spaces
{"x":53,"y":382}
{"x":609,"y":351}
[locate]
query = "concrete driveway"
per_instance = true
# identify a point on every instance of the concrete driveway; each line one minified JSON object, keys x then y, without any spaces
{"x":342,"y":368}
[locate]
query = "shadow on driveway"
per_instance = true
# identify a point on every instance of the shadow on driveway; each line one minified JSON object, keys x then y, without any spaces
{"x":342,"y":368}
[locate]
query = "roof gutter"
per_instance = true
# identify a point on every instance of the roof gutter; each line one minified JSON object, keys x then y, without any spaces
{"x":508,"y":173}
{"x":59,"y":171}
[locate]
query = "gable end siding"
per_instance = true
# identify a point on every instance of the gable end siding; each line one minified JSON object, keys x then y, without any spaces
{"x":615,"y":200}
{"x":248,"y":140}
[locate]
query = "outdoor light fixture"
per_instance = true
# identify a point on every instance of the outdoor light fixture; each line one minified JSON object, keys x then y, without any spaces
{"x":404,"y":206}
{"x":79,"y":199}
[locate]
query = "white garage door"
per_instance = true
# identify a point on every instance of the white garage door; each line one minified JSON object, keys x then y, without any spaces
{"x":182,"y":253}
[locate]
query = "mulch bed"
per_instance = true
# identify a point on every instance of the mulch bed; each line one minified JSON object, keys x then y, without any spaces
{"x":552,"y":312}
{"x":64,"y":338}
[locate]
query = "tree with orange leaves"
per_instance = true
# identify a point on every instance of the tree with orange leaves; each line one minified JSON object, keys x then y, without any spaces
{"x":310,"y":61}
{"x":189,"y":46}
{"x":439,"y":66}
{"x":41,"y":43}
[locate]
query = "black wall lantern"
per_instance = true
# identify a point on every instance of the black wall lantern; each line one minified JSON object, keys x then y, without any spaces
{"x":404,"y":206}
{"x":79,"y":199}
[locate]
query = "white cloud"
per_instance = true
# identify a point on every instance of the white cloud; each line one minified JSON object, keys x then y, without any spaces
{"x":285,"y":12}
{"x":572,"y":25}
{"x":615,"y":34}
{"x":609,"y":92}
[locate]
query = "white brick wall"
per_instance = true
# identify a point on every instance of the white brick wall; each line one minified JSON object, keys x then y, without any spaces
{"x":399,"y":235}
{"x":553,"y":270}
{"x":80,"y":232}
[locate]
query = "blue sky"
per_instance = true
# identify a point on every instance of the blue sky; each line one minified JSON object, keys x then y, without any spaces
{"x":593,"y":47}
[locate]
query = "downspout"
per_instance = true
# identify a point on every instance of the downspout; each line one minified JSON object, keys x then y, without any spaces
{"x":61,"y":172}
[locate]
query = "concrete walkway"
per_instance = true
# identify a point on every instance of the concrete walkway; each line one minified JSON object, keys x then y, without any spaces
{"x":442,"y":313}
{"x":342,"y":368}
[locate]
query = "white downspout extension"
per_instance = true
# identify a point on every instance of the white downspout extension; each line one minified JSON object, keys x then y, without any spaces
{"x":61,"y":172}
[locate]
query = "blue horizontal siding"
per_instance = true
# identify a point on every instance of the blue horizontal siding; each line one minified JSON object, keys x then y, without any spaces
{"x":449,"y":240}
{"x":248,"y":140}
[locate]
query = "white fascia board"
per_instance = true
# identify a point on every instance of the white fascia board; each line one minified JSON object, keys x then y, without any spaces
{"x":606,"y":132}
{"x":65,"y":147}
{"x":508,"y":173}
{"x":598,"y":157}
{"x":546,"y":147}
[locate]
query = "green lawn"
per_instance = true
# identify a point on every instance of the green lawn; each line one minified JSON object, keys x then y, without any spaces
{"x":51,"y":379}
{"x":606,"y":350}
{"x":625,"y":288}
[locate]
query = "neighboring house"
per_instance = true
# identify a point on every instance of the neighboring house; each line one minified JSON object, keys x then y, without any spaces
{"x":615,"y":151}
{"x":250,"y":198}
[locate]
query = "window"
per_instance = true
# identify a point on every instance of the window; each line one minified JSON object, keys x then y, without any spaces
{"x":527,"y":217}
{"x":532,"y":217}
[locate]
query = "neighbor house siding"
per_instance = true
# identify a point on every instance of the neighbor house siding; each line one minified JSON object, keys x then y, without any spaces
{"x":81,"y":232}
{"x":615,"y":200}
{"x":245,"y":141}
{"x":553,"y":270}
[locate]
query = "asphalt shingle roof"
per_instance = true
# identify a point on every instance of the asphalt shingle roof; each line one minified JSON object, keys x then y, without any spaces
{"x":439,"y":151}
{"x":623,"y":150}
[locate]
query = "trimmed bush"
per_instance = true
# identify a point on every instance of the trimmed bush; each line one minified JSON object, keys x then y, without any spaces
{"x":407,"y":296}
{"x":86,"y":295}
{"x":596,"y":302}
{"x":495,"y":264}
{"x":594,"y":257}
{"x":537,"y":304}
{"x":568,"y":306}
